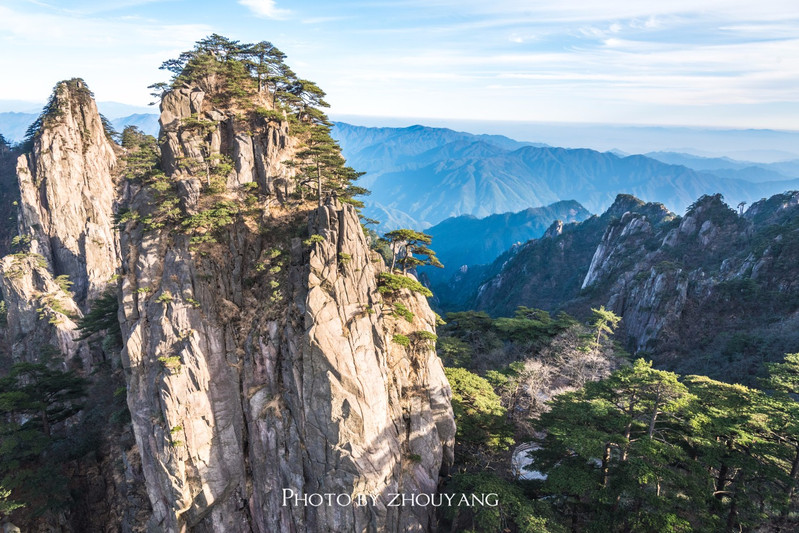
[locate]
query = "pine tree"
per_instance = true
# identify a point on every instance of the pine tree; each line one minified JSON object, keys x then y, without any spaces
{"x":604,"y":323}
{"x":406,"y":244}
{"x":34,"y":402}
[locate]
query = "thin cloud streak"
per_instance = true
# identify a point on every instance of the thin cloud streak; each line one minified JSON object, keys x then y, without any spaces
{"x":265,"y":9}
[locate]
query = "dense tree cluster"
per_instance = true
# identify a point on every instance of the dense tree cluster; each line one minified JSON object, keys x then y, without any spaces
{"x":646,"y":450}
{"x":35,"y":403}
{"x":634,"y":449}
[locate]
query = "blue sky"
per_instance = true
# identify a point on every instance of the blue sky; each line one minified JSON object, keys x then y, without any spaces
{"x":724,"y":63}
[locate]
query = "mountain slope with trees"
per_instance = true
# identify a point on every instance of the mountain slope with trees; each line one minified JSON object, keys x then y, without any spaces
{"x":467,"y":245}
{"x":711,"y":286}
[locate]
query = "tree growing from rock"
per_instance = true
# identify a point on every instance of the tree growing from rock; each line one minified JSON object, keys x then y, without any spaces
{"x":406,"y":245}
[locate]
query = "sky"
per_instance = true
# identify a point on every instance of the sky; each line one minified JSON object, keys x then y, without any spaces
{"x":710,"y":63}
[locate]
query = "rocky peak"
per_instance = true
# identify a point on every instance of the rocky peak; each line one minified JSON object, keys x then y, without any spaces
{"x":66,"y":185}
{"x":773,"y":210}
{"x":210,"y":142}
{"x":259,"y":346}
{"x":635,"y":227}
{"x":262,"y":347}
{"x":622,"y":204}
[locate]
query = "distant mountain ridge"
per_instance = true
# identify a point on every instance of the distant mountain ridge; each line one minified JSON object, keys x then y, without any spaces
{"x":420,"y":176}
{"x":712,"y":285}
{"x":14,"y":124}
{"x":467,"y":245}
{"x":731,"y":168}
{"x":468,"y":240}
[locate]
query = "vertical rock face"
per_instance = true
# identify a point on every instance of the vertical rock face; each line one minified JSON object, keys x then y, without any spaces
{"x":67,"y":192}
{"x":65,"y":255}
{"x":65,"y":223}
{"x":258,"y":353}
{"x":263,"y":365}
{"x":40,"y":313}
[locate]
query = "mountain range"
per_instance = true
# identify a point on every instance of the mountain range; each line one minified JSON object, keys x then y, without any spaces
{"x":20,"y":115}
{"x":468,"y":240}
{"x":420,"y":176}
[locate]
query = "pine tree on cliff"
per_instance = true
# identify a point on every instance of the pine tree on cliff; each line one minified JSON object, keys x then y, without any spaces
{"x":265,"y":61}
{"x":406,"y":245}
{"x":234,"y":74}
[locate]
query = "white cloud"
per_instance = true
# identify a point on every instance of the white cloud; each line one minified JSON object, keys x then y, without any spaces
{"x":265,"y":8}
{"x":44,"y":48}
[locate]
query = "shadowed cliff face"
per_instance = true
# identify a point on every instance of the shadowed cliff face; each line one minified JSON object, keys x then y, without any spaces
{"x":710,"y":286}
{"x":263,"y":362}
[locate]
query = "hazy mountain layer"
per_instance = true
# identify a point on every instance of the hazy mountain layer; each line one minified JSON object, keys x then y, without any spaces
{"x":14,"y":125}
{"x":468,"y":240}
{"x":725,"y":167}
{"x":425,"y":175}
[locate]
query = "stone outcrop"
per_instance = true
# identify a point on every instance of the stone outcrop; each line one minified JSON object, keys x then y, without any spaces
{"x":65,"y":255}
{"x":66,"y":250}
{"x":196,"y":135}
{"x":40,"y":313}
{"x":263,"y":363}
{"x":67,"y":192}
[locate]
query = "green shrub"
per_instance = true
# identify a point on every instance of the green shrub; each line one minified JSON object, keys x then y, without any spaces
{"x":424,"y":337}
{"x":164,"y":298}
{"x":402,"y":340}
{"x":269,"y":114}
{"x":171,"y":363}
{"x":402,"y":312}
{"x":63,"y":283}
{"x":21,"y":241}
{"x":393,"y":283}
{"x":219,"y":215}
{"x":313,"y":239}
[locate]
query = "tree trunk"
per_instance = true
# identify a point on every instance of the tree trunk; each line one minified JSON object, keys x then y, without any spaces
{"x":732,"y":516}
{"x":721,"y":482}
{"x":654,"y":415}
{"x":45,"y":423}
{"x":319,"y":183}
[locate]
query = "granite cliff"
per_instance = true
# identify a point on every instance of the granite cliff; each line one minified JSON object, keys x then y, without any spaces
{"x":257,"y":351}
